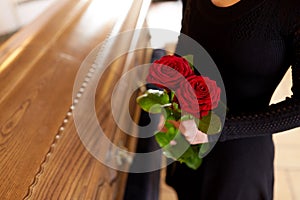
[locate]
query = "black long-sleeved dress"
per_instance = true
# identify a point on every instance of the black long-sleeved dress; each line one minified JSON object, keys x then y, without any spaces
{"x":253,"y":43}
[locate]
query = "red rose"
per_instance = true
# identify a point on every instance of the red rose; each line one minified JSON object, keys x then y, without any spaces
{"x":169,"y":71}
{"x":198,"y":95}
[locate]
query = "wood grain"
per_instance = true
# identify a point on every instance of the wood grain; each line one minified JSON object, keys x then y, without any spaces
{"x":37,"y":72}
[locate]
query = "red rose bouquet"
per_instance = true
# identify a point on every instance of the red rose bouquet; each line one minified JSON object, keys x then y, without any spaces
{"x":186,"y":102}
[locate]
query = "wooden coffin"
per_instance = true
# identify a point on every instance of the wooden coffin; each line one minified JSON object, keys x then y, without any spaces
{"x":42,"y":156}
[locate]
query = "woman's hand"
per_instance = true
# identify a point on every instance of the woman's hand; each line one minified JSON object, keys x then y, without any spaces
{"x":188,"y":128}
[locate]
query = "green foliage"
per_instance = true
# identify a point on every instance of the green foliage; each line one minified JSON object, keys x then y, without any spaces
{"x":156,"y":101}
{"x":153,"y":101}
{"x":182,"y":151}
{"x":190,"y":59}
{"x":210,"y":124}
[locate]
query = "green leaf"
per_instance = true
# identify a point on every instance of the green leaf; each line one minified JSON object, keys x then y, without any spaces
{"x":190,"y":59}
{"x":169,"y":114}
{"x":191,"y":157}
{"x":210,"y":124}
{"x":162,"y":139}
{"x":182,"y":151}
{"x":153,"y":101}
{"x":176,"y":112}
{"x":172,"y":95}
{"x":187,"y":117}
{"x":176,"y":151}
{"x":205,"y":147}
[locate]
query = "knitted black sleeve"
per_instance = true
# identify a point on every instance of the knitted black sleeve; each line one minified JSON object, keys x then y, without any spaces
{"x":278,"y":117}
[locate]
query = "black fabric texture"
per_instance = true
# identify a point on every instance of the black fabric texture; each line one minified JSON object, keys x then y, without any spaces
{"x":253,"y":43}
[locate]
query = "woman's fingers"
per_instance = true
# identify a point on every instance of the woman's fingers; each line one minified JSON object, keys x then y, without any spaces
{"x":190,"y":130}
{"x":198,"y":138}
{"x":161,"y":124}
{"x":187,"y":127}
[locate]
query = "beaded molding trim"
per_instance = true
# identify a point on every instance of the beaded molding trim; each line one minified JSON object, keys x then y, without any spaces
{"x":66,"y":119}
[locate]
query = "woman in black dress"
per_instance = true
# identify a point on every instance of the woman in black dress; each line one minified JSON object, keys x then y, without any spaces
{"x":253,"y":43}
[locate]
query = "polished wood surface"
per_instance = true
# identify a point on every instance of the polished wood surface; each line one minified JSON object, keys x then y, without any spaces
{"x":41,"y":154}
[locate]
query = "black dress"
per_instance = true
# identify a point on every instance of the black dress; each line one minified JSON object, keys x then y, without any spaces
{"x":253,"y":43}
